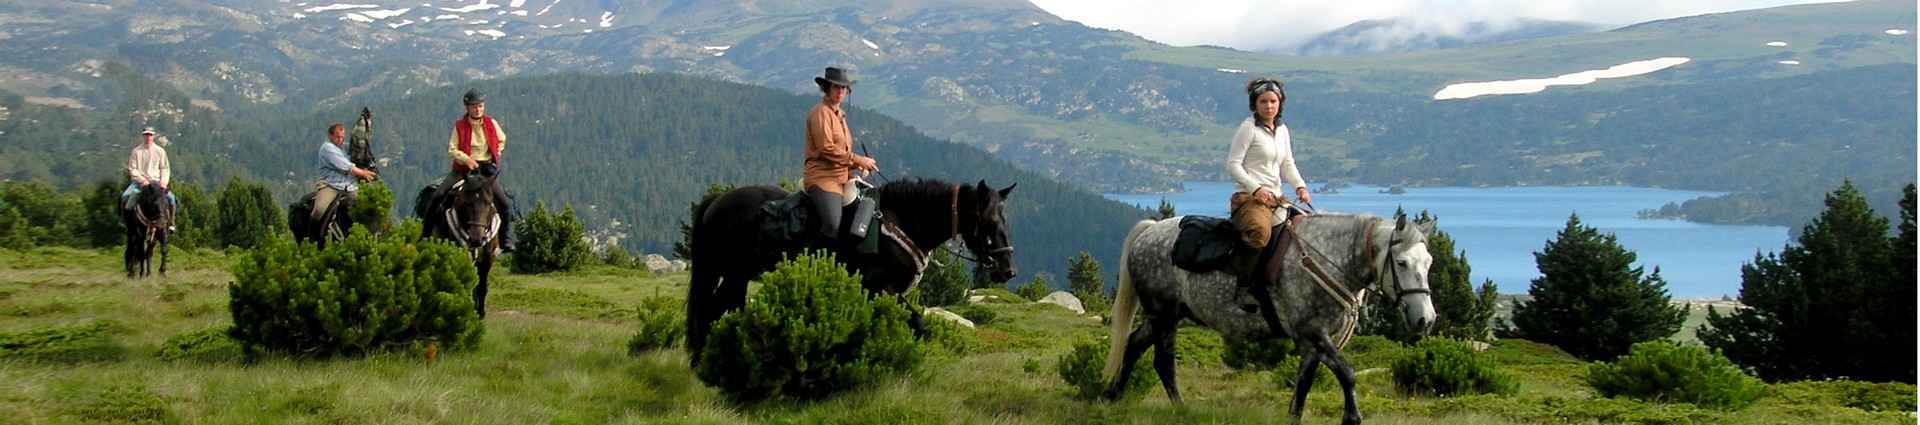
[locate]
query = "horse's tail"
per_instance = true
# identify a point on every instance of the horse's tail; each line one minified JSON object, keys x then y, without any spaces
{"x":1124,"y":303}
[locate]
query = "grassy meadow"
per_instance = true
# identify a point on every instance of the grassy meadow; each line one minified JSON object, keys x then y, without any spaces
{"x":555,"y":352}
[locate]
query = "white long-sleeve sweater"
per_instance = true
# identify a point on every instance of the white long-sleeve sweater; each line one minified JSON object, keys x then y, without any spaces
{"x":1259,"y":159}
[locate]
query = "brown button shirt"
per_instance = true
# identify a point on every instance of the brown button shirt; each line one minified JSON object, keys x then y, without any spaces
{"x":829,"y":149}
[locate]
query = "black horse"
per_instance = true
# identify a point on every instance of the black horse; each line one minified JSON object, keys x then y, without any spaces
{"x":332,"y":225}
{"x":147,"y":224}
{"x":464,"y":214}
{"x":729,"y":250}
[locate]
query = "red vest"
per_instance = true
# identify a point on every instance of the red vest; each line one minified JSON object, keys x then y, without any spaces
{"x":465,"y":130}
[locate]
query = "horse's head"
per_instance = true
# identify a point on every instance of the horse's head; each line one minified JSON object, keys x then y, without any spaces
{"x":983,"y":226}
{"x":473,"y":207}
{"x":150,"y":200}
{"x":1405,"y":270}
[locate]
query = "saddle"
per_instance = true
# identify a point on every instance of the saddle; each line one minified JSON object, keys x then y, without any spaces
{"x":340,"y":203}
{"x":1210,"y":244}
{"x":789,"y":223}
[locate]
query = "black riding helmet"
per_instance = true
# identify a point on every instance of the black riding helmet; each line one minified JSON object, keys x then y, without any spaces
{"x":473,"y":97}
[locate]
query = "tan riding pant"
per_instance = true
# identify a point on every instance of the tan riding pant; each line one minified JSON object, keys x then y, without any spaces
{"x":323,"y":196}
{"x":1255,"y":219}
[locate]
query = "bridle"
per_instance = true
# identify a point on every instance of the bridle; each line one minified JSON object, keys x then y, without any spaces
{"x":460,"y":231}
{"x":986,"y":260}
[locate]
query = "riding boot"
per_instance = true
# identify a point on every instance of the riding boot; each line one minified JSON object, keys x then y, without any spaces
{"x":505,"y":206}
{"x":1247,"y":267}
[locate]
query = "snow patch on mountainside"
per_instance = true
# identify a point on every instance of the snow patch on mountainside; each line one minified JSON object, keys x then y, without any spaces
{"x":1535,"y":85}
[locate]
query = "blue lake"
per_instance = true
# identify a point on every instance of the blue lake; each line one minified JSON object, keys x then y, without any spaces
{"x":1501,"y":228}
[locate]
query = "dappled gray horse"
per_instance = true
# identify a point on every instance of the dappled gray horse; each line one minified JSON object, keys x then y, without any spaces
{"x":1336,"y":260}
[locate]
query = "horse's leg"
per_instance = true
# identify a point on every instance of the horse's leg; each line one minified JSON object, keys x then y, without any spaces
{"x":127,"y":257}
{"x":1303,"y":381}
{"x":1341,"y":372}
{"x":484,"y":264}
{"x":700,"y":293}
{"x":164,"y":248}
{"x":1137,"y":343}
{"x":1163,"y":354}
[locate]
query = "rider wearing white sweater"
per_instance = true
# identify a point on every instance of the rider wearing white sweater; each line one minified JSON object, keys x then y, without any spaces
{"x":1261,"y":155}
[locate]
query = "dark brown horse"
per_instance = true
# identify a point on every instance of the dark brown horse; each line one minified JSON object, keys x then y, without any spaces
{"x":333,"y":224}
{"x":148,"y":226}
{"x":464,"y":214}
{"x":729,"y":250}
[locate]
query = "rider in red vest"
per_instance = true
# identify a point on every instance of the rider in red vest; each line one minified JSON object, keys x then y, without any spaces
{"x":477,"y":130}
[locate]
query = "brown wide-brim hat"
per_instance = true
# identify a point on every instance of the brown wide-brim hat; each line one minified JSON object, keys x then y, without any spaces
{"x":835,"y":76}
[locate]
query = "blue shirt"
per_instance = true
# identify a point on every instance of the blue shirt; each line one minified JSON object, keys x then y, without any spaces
{"x":335,"y":170}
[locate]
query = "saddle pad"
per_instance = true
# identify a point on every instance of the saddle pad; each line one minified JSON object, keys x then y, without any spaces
{"x":1205,"y":243}
{"x":786,"y":220}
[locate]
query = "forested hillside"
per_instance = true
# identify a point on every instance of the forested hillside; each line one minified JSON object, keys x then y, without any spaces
{"x":628,"y":149}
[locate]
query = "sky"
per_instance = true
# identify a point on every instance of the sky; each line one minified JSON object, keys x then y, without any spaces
{"x":1283,"y":24}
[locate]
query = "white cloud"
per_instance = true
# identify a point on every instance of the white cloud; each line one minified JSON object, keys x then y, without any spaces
{"x":1269,"y":24}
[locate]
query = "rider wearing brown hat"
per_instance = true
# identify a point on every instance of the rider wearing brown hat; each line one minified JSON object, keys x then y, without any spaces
{"x":830,"y":160}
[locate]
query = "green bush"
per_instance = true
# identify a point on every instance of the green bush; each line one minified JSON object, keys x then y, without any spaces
{"x":948,"y":337}
{"x":1665,"y":371}
{"x":662,"y":324}
{"x":1287,"y":371}
{"x":92,"y":342}
{"x":809,"y":332}
{"x":1258,"y":355}
{"x":980,"y":316}
{"x":1199,"y":347}
{"x":101,"y":205}
{"x":359,"y":295}
{"x":248,"y":217}
{"x":373,"y":207}
{"x":34,"y":214}
{"x":1036,"y":289}
{"x":946,"y":281}
{"x":549,"y":242}
{"x":195,"y":219}
{"x":1447,"y":367}
{"x":211,"y":345}
{"x":1084,"y":371}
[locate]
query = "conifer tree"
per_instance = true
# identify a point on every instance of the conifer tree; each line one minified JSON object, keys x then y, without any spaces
{"x":1590,"y":300}
{"x":1838,"y":303}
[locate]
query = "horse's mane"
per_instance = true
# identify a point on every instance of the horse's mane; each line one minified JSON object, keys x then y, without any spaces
{"x":913,"y":202}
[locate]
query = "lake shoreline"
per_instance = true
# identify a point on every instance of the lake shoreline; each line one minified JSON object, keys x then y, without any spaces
{"x":1501,"y":228}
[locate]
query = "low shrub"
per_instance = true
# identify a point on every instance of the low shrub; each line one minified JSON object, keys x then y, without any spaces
{"x":1867,"y":396}
{"x":1665,"y":371}
{"x":1199,"y":347}
{"x":373,"y":207}
{"x":1035,"y":289}
{"x":211,"y":345}
{"x":549,"y":241}
{"x":1258,"y":355}
{"x":91,"y":342}
{"x":945,"y":336}
{"x":945,"y":282}
{"x":1447,"y":367}
{"x":359,"y":295}
{"x":811,"y":331}
{"x":1287,"y":372}
{"x":980,"y":316}
{"x":118,"y":402}
{"x":1083,"y":370}
{"x":662,"y":324}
